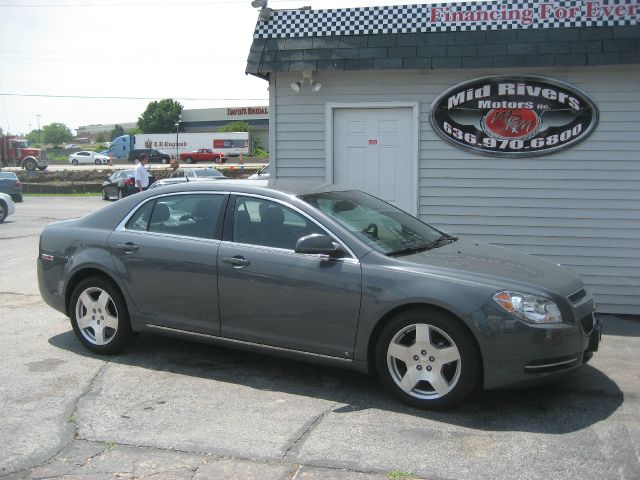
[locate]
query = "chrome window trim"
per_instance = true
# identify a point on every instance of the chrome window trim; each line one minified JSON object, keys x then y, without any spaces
{"x":121,"y":225}
{"x":244,"y":342}
{"x":297,"y":210}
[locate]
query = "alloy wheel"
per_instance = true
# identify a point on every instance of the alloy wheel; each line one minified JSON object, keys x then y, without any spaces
{"x":97,"y":316}
{"x":424,"y":361}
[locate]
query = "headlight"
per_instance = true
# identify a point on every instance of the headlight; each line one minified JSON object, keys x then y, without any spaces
{"x":529,"y":308}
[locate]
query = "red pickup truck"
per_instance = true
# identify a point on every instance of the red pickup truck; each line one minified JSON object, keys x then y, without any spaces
{"x":203,"y":155}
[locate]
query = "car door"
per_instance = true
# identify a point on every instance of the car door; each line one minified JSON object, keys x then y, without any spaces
{"x":166,"y":255}
{"x":271,"y":295}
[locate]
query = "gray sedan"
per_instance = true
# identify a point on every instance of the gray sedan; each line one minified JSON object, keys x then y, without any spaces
{"x":317,"y":273}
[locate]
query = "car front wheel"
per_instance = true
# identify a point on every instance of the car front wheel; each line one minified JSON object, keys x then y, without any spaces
{"x":99,"y":316}
{"x":428,"y":359}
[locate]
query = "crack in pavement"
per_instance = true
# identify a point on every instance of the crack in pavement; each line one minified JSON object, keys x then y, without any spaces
{"x":70,"y":415}
{"x":306,"y":431}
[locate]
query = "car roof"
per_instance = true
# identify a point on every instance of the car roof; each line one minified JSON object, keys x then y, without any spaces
{"x":287,"y":187}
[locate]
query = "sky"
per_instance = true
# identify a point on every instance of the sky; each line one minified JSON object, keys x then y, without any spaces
{"x":194,"y":51}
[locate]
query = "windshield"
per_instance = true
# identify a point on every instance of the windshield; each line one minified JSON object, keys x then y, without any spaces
{"x":383,"y":227}
{"x":207,"y":172}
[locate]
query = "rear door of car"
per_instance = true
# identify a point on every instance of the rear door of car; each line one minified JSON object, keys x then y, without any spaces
{"x":271,"y":295}
{"x":166,"y":254}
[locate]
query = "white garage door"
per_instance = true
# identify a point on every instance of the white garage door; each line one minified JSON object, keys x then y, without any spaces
{"x":372,"y":151}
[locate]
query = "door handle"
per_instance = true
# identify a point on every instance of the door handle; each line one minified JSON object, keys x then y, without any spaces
{"x":236,"y":261}
{"x":128,"y":247}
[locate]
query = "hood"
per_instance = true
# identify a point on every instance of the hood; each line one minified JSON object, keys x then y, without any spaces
{"x":504,"y":268}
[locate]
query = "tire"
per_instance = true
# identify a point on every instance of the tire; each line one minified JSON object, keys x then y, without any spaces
{"x":3,"y":211}
{"x":104,"y":194}
{"x":18,"y":198}
{"x":99,"y":316}
{"x":165,"y":160}
{"x":189,"y":160}
{"x":30,"y":165}
{"x":98,"y":162}
{"x":74,"y":162}
{"x":437,"y":371}
{"x":43,"y":168}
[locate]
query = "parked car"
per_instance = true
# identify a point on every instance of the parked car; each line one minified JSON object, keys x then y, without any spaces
{"x":154,"y":155}
{"x":203,"y":155}
{"x":87,"y":157}
{"x":318,"y":273}
{"x":261,"y":175}
{"x":183,"y":175}
{"x":120,"y":184}
{"x":7,"y":207}
{"x":71,"y":146}
{"x":10,"y":185}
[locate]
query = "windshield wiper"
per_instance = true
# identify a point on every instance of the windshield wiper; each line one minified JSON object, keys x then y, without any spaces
{"x":438,"y":242}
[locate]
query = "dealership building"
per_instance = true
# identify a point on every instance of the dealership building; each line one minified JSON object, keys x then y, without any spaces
{"x":511,"y":123}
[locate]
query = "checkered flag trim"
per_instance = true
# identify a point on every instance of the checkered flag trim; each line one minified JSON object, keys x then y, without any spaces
{"x":449,"y":17}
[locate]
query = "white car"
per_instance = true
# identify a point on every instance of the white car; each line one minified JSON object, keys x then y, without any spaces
{"x":7,"y":207}
{"x":88,"y":157}
{"x":261,"y":175}
{"x":71,"y":145}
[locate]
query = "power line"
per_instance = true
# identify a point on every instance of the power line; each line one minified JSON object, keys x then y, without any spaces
{"x":109,"y":97}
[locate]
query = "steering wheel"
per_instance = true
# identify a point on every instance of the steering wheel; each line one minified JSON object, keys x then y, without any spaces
{"x":371,"y":230}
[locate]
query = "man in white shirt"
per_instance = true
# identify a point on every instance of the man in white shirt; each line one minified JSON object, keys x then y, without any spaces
{"x":141,"y":174}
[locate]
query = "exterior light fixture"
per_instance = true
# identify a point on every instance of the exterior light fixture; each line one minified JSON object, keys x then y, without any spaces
{"x":265,"y":12}
{"x":306,"y":78}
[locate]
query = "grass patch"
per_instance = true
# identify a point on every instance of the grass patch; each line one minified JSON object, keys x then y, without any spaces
{"x":398,"y":475}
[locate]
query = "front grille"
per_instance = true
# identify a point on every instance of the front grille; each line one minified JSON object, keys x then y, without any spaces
{"x":577,"y":297}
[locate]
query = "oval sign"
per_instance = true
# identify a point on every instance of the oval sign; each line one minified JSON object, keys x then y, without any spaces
{"x":520,"y":116}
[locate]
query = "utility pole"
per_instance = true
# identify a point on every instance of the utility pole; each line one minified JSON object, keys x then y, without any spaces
{"x":39,"y":134}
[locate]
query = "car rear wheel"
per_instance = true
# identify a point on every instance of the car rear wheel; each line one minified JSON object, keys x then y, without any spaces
{"x":3,"y":211}
{"x":98,"y":162}
{"x":428,"y":359}
{"x":99,"y":316}
{"x":74,"y":162}
{"x":104,"y":194}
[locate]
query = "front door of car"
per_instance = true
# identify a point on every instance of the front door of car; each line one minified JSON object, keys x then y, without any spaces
{"x":270,"y":295}
{"x":166,"y":255}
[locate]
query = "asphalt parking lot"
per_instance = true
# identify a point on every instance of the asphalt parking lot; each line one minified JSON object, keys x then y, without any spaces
{"x":170,"y":409}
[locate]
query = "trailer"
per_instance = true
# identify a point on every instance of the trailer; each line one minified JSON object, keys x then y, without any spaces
{"x":229,"y":144}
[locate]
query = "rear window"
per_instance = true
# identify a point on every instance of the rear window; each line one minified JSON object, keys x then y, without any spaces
{"x":8,"y":176}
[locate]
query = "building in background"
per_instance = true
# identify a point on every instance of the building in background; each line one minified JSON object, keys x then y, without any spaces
{"x":202,"y":120}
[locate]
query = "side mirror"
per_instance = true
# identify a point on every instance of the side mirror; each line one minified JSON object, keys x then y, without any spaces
{"x":319,"y":245}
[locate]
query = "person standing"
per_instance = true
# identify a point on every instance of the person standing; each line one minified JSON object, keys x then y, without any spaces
{"x":141,"y":174}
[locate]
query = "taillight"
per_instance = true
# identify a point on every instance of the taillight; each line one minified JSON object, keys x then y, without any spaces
{"x":129,"y":181}
{"x":18,"y":184}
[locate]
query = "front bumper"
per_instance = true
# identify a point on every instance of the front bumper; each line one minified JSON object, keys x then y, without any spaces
{"x":517,"y":354}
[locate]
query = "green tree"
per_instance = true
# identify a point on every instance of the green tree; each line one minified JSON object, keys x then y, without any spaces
{"x":117,"y":132}
{"x":237,"y":126}
{"x":33,"y":137}
{"x":100,"y":137}
{"x":56,"y":133}
{"x":134,"y":131}
{"x":160,"y":117}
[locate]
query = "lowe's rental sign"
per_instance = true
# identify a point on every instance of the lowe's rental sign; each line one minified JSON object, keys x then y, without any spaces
{"x":447,"y":17}
{"x":514,"y":116}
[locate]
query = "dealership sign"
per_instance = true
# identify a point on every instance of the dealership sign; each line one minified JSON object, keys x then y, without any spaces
{"x":519,"y":116}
